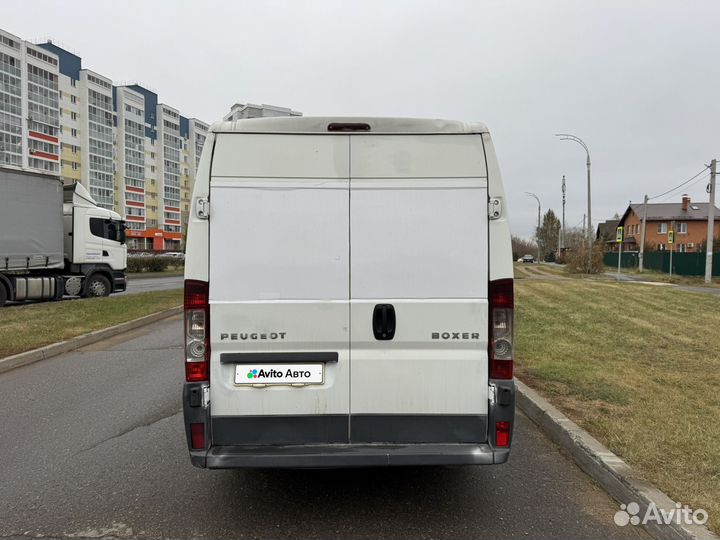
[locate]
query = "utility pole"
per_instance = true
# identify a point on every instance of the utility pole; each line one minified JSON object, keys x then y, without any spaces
{"x":711,"y":224}
{"x":642,"y":234}
{"x":562,"y":232}
{"x":671,"y":244}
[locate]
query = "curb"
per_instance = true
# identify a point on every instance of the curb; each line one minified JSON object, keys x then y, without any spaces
{"x":612,"y":473}
{"x":43,"y":353}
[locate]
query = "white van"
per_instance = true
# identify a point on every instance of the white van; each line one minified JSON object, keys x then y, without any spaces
{"x":348,"y":296}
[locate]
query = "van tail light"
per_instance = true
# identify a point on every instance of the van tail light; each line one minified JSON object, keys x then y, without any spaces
{"x":501,"y":346}
{"x":502,"y":433}
{"x":197,"y":331}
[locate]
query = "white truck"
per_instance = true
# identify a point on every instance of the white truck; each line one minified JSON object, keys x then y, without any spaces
{"x":348,"y":296}
{"x":55,"y":240}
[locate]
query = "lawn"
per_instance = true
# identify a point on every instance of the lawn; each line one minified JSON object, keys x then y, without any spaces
{"x":663,"y":277}
{"x":638,"y":366}
{"x":27,"y":327}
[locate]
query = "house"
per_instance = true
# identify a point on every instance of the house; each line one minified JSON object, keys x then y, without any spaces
{"x":606,"y":234}
{"x":686,"y":218}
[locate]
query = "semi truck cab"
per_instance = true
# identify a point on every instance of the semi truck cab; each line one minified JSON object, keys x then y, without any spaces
{"x":93,"y":240}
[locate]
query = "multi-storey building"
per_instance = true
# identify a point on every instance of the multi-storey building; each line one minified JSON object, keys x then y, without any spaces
{"x":240,"y":111}
{"x":133,"y":154}
{"x":29,"y":106}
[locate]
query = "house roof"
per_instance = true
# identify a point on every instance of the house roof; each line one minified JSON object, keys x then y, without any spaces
{"x":607,"y":229}
{"x":672,"y":211}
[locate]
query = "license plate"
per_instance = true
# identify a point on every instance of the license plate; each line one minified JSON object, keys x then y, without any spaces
{"x":247,"y":374}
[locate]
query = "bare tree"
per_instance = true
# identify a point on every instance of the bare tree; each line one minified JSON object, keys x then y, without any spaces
{"x":521,"y":247}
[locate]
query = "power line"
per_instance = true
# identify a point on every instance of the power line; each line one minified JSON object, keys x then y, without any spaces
{"x":703,"y":177}
{"x":679,"y":186}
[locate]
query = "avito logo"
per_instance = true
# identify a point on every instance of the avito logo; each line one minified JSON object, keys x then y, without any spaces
{"x":275,"y":374}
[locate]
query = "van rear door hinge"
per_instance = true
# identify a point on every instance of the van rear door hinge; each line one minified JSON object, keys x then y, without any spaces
{"x":202,"y":208}
{"x":494,"y":208}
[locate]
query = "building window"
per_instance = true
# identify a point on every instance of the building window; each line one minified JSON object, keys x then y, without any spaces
{"x":662,"y":228}
{"x":682,"y":228}
{"x":73,"y":99}
{"x":73,"y":132}
{"x":73,"y":115}
{"x":661,"y":247}
{"x":682,"y":248}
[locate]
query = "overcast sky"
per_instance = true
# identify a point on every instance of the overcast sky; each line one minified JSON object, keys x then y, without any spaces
{"x":638,"y":81}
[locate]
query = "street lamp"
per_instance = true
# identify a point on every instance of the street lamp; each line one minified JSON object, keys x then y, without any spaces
{"x":562,"y":231}
{"x":568,"y":137}
{"x":537,"y":231}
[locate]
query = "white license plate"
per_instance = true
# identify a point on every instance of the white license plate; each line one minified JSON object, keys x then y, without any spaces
{"x":246,"y":374}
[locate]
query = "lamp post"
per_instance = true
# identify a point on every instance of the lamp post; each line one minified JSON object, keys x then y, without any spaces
{"x":537,"y":231}
{"x":568,"y":137}
{"x":562,"y":231}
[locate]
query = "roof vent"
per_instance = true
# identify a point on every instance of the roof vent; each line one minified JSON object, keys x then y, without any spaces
{"x":348,"y":126}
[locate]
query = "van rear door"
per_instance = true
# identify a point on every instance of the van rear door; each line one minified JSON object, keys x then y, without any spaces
{"x":419,"y":288}
{"x":279,"y":289}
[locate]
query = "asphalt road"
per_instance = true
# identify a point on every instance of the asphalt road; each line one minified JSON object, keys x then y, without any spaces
{"x":92,"y":444}
{"x":138,"y":285}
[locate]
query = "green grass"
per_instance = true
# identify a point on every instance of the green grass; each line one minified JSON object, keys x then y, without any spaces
{"x":638,"y":366}
{"x":27,"y":327}
{"x":664,"y":277}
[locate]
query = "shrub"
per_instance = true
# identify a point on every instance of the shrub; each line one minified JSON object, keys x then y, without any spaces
{"x":152,"y":264}
{"x":578,"y":262}
{"x":135,"y":264}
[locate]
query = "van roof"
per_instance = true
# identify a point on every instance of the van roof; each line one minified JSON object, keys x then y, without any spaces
{"x":319,"y":124}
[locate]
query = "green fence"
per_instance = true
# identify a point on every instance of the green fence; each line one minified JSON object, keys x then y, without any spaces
{"x":629,"y":260}
{"x":684,"y":264}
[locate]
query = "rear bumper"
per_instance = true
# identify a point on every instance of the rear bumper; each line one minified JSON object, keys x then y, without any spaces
{"x":347,"y":456}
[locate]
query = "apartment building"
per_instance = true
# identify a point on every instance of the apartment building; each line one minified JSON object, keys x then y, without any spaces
{"x":29,"y":106}
{"x":240,"y":111}
{"x":132,"y":152}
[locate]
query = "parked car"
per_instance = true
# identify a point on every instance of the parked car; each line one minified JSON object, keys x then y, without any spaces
{"x":175,"y":255}
{"x":550,"y":257}
{"x":528,"y":259}
{"x":387,"y":281}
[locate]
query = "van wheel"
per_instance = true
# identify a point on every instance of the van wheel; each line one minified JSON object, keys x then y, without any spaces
{"x":3,"y":295}
{"x":98,"y":285}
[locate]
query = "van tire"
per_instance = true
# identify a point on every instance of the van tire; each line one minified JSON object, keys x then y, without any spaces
{"x":3,"y":294}
{"x":97,"y":285}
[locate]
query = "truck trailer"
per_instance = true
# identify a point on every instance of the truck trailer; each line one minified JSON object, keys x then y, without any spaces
{"x":56,"y":241}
